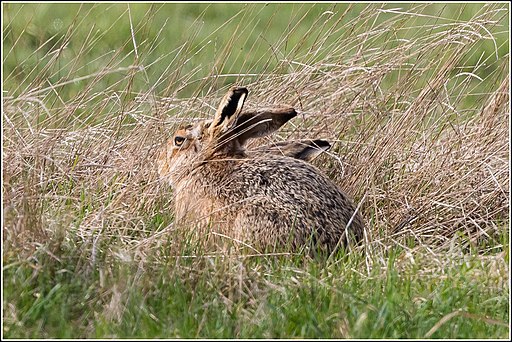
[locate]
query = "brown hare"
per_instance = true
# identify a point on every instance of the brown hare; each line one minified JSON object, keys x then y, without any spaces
{"x":270,"y":197}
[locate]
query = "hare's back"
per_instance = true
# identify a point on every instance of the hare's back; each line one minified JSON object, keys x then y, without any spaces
{"x":292,"y":192}
{"x":291,"y":180}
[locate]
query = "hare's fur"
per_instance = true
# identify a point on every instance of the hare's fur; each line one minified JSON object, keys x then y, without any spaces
{"x":265,"y":199}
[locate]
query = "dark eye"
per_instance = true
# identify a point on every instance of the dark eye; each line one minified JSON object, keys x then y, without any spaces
{"x":178,"y":140}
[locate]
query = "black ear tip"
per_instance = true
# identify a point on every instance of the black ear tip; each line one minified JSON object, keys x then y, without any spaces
{"x":239,"y":90}
{"x":324,"y":144}
{"x":289,"y":112}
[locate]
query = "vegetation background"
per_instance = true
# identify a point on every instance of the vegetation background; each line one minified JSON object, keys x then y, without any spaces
{"x":414,"y":97}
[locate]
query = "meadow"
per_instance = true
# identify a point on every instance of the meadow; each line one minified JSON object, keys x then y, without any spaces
{"x":414,"y":98}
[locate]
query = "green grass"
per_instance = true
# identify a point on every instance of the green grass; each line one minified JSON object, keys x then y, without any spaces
{"x":413,"y":97}
{"x":259,"y":297}
{"x":186,"y":43}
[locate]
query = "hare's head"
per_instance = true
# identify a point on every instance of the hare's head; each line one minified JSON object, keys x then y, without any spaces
{"x":225,"y":135}
{"x":183,"y":147}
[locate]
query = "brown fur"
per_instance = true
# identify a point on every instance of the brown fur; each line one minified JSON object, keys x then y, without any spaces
{"x":269,"y":198}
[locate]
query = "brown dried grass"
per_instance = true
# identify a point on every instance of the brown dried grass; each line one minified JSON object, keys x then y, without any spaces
{"x":424,"y":164}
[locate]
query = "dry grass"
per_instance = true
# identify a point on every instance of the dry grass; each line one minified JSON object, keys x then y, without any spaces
{"x":421,"y":140}
{"x":424,"y":164}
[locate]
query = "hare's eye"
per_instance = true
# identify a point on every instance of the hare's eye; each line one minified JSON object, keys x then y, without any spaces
{"x":178,"y":140}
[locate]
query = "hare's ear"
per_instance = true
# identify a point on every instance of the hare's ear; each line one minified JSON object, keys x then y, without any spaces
{"x":228,"y":111}
{"x":306,"y":150}
{"x":262,"y":122}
